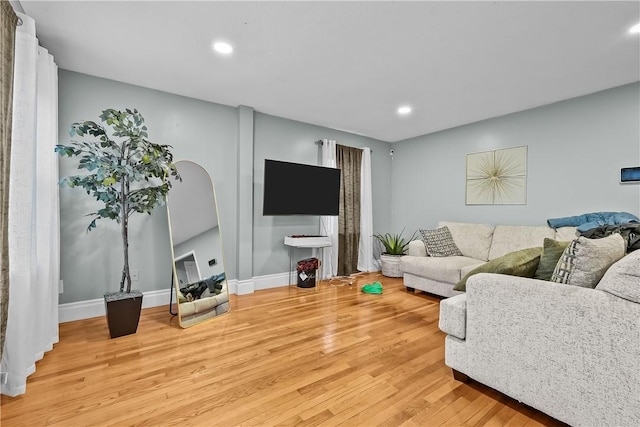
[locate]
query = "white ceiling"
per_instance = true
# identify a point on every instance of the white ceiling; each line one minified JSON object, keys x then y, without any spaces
{"x":349,"y":65}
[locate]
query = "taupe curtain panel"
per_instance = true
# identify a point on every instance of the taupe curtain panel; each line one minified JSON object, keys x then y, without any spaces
{"x":8,"y":22}
{"x":349,"y":161}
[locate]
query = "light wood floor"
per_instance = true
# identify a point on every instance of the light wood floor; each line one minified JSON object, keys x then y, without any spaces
{"x":281,"y":357}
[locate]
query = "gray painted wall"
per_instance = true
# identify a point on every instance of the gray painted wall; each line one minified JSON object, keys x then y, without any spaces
{"x":200,"y":131}
{"x":208,"y":134}
{"x":575,"y":151}
{"x":281,"y":139}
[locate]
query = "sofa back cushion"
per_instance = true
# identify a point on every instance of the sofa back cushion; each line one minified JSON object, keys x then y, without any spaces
{"x":473,"y":240}
{"x":566,"y":234}
{"x":416,"y":248}
{"x":622,"y":279}
{"x":510,"y":238}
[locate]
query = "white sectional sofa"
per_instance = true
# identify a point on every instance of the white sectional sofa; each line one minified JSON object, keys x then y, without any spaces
{"x":478,"y":243}
{"x":569,"y":351}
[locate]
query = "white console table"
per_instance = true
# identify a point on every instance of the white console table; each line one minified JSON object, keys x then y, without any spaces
{"x":313,"y":242}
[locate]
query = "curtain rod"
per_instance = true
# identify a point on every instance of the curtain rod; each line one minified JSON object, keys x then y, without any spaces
{"x":319,"y":142}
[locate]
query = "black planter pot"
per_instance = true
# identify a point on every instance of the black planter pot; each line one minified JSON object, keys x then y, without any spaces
{"x":123,"y":312}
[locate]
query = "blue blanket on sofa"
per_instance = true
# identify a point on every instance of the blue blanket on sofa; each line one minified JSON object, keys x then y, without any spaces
{"x":588,"y":221}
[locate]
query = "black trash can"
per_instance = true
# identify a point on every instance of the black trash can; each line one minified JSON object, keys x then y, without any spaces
{"x":306,"y":272}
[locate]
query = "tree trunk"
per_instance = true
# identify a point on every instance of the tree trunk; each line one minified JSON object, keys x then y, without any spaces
{"x":124,"y":223}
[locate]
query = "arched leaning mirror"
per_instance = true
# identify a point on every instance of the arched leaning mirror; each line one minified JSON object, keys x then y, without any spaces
{"x":198,"y":268}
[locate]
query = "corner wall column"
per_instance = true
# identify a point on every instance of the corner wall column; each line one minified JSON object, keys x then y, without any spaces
{"x":245,"y":200}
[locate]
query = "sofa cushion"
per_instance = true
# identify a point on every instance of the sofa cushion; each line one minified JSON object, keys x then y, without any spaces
{"x":453,"y":316}
{"x":566,"y":234}
{"x":467,"y":268}
{"x":510,"y":238}
{"x":519,"y":263}
{"x":584,"y":261}
{"x":622,"y":279}
{"x":439,"y":242}
{"x":417,"y":248}
{"x":551,"y":252}
{"x":473,"y":240}
{"x":443,"y":269}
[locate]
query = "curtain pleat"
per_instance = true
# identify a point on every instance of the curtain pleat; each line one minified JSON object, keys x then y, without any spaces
{"x":349,"y":161}
{"x":32,"y":323}
{"x":366,"y":260}
{"x":329,"y":224}
{"x":8,"y":22}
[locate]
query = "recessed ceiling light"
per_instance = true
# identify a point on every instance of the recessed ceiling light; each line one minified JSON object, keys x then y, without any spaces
{"x":222,"y":47}
{"x":635,"y":29}
{"x":405,"y":109}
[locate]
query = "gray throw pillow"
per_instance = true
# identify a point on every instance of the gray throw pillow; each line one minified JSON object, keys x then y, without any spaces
{"x":439,"y":242}
{"x":623,"y":278}
{"x":584,"y":261}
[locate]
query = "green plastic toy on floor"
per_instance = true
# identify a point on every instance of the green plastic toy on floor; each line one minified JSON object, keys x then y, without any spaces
{"x":372,"y":288}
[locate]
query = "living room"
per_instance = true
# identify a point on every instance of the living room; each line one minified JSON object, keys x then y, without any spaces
{"x":576,"y":146}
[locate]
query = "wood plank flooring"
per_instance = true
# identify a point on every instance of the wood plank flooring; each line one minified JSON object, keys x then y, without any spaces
{"x":283,"y":356}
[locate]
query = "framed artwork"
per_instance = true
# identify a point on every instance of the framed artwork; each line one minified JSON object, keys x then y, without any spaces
{"x":497,"y":177}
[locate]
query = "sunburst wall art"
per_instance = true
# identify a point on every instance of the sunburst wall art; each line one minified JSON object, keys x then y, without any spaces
{"x":497,"y":177}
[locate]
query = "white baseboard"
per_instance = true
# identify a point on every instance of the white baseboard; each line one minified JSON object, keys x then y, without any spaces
{"x":95,"y":307}
{"x":80,"y":310}
{"x":244,"y":287}
{"x":69,"y":312}
{"x":271,"y":281}
{"x":258,"y":283}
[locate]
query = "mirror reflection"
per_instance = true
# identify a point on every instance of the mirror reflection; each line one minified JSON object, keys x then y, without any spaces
{"x":198,"y":273}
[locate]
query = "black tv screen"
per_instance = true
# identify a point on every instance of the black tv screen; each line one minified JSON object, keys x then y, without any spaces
{"x":297,"y":189}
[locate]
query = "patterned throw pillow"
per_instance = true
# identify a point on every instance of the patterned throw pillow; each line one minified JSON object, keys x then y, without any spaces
{"x":584,"y":261}
{"x":439,"y":242}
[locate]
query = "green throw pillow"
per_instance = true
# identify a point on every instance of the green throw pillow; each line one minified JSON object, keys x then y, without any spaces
{"x":551,"y":253}
{"x":521,"y":263}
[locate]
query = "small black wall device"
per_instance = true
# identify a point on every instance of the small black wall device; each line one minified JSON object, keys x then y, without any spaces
{"x":630,"y":174}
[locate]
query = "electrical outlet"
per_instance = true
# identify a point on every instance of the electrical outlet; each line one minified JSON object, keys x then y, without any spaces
{"x":61,"y":286}
{"x":135,"y":276}
{"x":4,"y":377}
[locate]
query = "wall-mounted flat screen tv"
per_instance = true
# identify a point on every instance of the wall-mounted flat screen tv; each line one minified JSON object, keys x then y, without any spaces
{"x":298,"y":189}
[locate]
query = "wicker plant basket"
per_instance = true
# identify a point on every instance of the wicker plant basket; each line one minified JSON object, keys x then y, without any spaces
{"x":390,"y":265}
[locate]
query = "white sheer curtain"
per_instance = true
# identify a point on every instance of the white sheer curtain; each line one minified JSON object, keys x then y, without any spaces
{"x":34,"y":267}
{"x":329,"y":224}
{"x":366,"y":261}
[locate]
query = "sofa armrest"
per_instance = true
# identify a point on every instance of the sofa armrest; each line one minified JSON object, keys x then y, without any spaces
{"x":526,"y":337}
{"x":453,"y":316}
{"x":417,"y":248}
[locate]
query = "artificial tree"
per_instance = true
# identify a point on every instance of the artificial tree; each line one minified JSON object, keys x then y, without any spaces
{"x":130,"y":175}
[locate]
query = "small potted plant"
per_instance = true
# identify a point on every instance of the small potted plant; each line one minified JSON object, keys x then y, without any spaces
{"x":394,"y":247}
{"x":128,"y":175}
